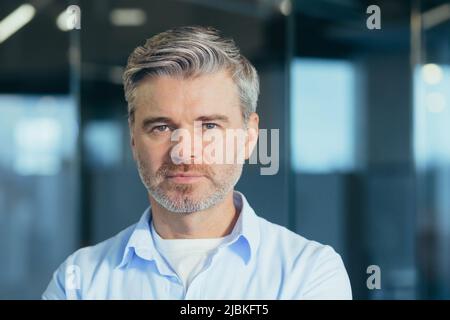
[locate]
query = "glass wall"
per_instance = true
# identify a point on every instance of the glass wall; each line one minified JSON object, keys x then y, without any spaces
{"x":39,"y":175}
{"x":432,"y":145}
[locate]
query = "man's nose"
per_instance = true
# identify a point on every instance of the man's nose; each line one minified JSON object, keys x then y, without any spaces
{"x":189,"y":146}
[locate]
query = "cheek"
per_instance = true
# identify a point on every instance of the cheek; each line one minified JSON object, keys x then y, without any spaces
{"x":225,"y":147}
{"x":152,"y":154}
{"x":223,"y":172}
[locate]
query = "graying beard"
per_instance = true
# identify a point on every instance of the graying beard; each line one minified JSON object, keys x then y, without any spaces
{"x":185,"y":206}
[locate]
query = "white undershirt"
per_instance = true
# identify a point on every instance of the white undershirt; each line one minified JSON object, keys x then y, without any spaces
{"x":187,"y":257}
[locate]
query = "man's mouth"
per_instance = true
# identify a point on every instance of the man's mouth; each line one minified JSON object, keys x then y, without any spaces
{"x":184,"y":177}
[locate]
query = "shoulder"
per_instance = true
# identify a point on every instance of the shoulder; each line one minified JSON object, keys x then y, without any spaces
{"x":80,"y":267}
{"x":109,"y":251}
{"x":311,"y":269}
{"x":291,"y":244}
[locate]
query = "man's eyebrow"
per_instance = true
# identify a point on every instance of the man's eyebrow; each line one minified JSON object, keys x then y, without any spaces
{"x":147,"y":122}
{"x":152,"y":120}
{"x":214,"y":117}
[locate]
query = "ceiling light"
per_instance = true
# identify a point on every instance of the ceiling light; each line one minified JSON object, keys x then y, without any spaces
{"x":16,"y":20}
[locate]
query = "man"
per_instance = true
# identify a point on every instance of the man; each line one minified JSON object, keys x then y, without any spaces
{"x":199,"y":239}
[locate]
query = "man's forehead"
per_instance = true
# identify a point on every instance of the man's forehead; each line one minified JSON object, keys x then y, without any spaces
{"x":170,"y":96}
{"x":201,"y":86}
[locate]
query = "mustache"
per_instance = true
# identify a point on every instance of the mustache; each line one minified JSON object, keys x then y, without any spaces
{"x":169,"y":169}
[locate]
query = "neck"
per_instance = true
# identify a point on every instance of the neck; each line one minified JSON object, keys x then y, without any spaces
{"x":215,"y":222}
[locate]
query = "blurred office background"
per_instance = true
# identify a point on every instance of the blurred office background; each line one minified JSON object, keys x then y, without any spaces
{"x":364,"y":119}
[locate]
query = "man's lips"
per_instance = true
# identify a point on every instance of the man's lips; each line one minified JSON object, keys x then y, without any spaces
{"x":184,"y":177}
{"x":184,"y":174}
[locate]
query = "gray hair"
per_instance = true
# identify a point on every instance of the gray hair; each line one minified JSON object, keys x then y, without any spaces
{"x":191,"y":51}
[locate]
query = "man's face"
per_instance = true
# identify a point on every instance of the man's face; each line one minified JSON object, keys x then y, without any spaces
{"x":205,"y":106}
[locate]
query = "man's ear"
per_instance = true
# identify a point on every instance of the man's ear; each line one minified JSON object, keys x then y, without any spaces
{"x":252,"y":134}
{"x":132,"y":141}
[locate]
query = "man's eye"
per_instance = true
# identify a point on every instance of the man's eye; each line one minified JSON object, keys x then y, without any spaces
{"x":161,"y":128}
{"x":209,"y":126}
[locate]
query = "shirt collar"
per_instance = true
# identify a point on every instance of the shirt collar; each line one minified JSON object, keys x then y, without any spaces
{"x":245,"y":235}
{"x":140,"y":241}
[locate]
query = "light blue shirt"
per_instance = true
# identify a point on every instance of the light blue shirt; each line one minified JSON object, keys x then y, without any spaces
{"x":262,"y":261}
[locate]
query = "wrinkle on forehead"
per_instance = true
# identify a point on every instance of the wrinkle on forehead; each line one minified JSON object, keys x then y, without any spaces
{"x":188,"y":98}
